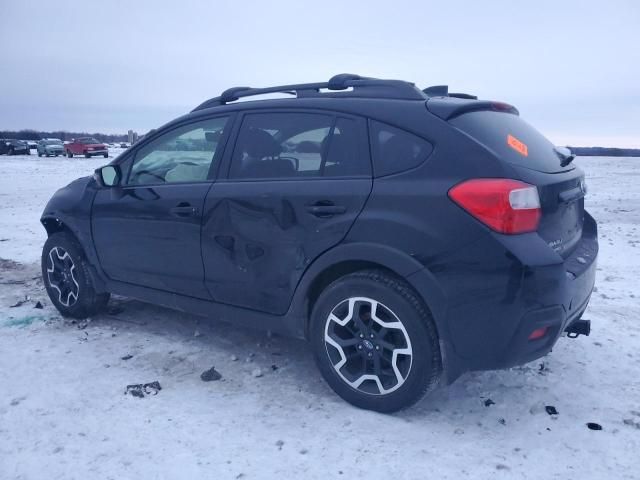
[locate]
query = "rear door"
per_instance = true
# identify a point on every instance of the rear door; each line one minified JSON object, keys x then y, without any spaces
{"x":560,"y":184}
{"x":147,"y":231}
{"x":296,"y":182}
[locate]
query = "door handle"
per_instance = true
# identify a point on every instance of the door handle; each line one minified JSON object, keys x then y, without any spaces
{"x":184,"y":209}
{"x":325,"y":209}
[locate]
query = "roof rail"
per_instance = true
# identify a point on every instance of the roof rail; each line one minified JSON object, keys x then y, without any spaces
{"x":361,"y":87}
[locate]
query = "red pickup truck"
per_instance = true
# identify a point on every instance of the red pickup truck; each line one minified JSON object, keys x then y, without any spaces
{"x":86,"y":146}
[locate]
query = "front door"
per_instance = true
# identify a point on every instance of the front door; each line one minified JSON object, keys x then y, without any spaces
{"x":296,"y":183}
{"x":147,"y":231}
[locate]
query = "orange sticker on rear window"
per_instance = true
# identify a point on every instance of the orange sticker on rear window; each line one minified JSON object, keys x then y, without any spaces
{"x":517,"y":145}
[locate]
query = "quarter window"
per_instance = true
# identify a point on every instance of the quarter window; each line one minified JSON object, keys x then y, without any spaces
{"x":395,"y":150}
{"x":181,"y":155}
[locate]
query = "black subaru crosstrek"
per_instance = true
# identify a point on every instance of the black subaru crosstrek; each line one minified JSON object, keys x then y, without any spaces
{"x":409,"y":235}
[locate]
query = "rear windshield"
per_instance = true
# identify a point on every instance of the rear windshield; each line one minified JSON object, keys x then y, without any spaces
{"x":512,"y":139}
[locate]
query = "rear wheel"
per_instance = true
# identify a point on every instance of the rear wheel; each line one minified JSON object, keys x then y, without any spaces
{"x":105,"y":155}
{"x":10,"y":151}
{"x":375,"y":342}
{"x":65,"y":271}
{"x":39,"y":154}
{"x":86,"y":155}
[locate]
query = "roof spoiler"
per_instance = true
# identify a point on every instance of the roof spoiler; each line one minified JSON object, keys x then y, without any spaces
{"x":448,"y":108}
{"x":443,"y":91}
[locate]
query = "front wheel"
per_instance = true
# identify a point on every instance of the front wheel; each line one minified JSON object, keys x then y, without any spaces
{"x":375,"y":341}
{"x":65,"y":271}
{"x":69,"y":154}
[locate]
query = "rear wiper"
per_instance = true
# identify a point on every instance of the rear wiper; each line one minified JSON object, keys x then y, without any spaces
{"x":566,"y":156}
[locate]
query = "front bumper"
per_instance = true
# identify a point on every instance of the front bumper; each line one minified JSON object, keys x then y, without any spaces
{"x":97,"y":152}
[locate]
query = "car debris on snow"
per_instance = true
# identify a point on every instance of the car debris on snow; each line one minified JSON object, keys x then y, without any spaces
{"x":210,"y":375}
{"x":19,"y":303}
{"x":139,"y":390}
{"x":551,"y":410}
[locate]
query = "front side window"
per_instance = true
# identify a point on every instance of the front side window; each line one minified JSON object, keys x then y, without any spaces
{"x":297,"y":145}
{"x":181,"y":155}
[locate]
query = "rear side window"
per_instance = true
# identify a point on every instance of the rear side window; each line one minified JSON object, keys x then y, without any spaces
{"x":298,"y":145}
{"x":395,"y":150}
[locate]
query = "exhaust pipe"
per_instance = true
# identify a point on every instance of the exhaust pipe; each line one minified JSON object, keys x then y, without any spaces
{"x":579,"y":327}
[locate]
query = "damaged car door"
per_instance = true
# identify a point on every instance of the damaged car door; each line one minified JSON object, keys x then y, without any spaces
{"x":296,"y":182}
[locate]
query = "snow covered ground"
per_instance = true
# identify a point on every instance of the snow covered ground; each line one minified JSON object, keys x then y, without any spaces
{"x":63,"y":413}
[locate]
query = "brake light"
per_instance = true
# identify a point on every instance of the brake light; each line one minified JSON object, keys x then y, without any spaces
{"x":504,"y":205}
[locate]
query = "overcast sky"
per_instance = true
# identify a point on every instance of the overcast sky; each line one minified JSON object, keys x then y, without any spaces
{"x":571,"y":67}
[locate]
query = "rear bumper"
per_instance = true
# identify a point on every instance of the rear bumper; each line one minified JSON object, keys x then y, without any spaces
{"x":521,"y":285}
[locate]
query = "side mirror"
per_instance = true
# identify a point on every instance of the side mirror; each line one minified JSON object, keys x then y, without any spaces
{"x":108,"y":176}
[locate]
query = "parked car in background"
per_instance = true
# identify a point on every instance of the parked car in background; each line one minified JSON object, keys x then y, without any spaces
{"x":124,"y":145}
{"x":33,"y":145}
{"x":50,"y":147}
{"x":11,"y":146}
{"x":87,"y":146}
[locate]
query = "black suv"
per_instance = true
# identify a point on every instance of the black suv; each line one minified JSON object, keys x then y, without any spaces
{"x":409,"y":235}
{"x":11,"y":146}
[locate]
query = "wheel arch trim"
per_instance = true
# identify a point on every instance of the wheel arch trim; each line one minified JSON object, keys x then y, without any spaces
{"x":371,"y":255}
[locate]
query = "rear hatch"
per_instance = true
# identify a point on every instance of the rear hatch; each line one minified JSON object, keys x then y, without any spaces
{"x":536,"y":161}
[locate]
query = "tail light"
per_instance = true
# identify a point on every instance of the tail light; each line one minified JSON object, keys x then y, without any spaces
{"x":504,"y":205}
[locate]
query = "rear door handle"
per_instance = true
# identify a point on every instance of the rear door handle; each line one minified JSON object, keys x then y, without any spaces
{"x":322,"y":209}
{"x":184,"y":209}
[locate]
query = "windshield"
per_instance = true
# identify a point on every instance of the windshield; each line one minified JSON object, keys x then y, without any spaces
{"x":52,"y":142}
{"x":88,"y":140}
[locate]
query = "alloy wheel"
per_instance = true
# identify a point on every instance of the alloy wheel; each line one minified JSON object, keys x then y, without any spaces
{"x":368,"y":346}
{"x":61,"y":276}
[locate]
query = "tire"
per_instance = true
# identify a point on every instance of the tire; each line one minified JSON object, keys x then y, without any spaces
{"x":65,"y":272}
{"x":10,"y":151}
{"x":86,"y":155}
{"x":55,"y":154}
{"x":106,"y":155}
{"x":69,"y":154}
{"x":410,"y":331}
{"x":39,"y":154}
